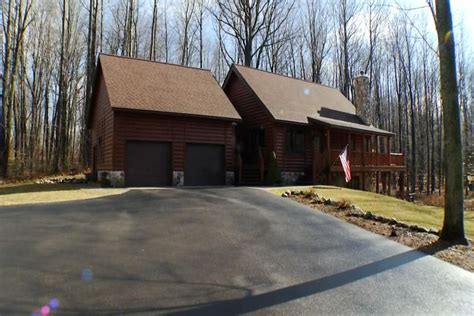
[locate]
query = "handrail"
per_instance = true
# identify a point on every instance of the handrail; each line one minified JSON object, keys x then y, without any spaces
{"x":261,"y":163}
{"x":240,"y":165}
{"x":359,"y":158}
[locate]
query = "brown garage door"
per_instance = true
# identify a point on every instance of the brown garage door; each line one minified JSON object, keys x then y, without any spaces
{"x":148,"y":164}
{"x":204,"y":165}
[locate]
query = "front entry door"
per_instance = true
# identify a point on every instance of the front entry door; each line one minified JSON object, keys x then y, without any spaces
{"x":255,"y":139}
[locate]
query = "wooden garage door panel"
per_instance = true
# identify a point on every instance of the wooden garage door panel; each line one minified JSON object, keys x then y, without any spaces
{"x":204,"y":165}
{"x":148,"y":164}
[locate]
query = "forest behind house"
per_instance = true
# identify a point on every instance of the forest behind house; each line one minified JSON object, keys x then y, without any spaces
{"x":50,"y":47}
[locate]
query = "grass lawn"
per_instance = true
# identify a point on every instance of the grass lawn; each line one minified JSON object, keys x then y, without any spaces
{"x":378,"y":204}
{"x":30,"y":193}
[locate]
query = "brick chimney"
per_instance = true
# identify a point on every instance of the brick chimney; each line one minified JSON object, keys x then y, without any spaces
{"x":362,"y":97}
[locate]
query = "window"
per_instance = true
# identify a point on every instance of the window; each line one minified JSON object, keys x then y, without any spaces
{"x":317,"y":144}
{"x":354,"y":143}
{"x":294,"y":140}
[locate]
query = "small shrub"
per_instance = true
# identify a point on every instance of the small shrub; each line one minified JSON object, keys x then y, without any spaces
{"x":310,"y":194}
{"x":344,"y":204}
{"x":273,"y":174}
{"x":434,"y":200}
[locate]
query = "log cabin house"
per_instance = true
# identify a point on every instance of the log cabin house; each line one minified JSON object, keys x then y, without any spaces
{"x":156,"y":124}
{"x":306,"y":126}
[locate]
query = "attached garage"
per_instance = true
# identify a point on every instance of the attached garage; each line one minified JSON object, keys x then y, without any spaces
{"x":204,"y":164}
{"x":157,"y":124}
{"x":148,"y":164}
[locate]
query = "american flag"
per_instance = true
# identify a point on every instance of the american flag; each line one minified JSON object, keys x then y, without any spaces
{"x":345,"y":164}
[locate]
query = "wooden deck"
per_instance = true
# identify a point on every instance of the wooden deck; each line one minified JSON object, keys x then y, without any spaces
{"x":369,"y":161}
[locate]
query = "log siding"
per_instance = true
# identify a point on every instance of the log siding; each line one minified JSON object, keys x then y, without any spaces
{"x":177,"y":130}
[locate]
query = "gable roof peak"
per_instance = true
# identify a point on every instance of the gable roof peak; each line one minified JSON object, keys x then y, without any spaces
{"x":153,"y":61}
{"x":144,"y":85}
{"x":291,"y":99}
{"x":285,"y":76}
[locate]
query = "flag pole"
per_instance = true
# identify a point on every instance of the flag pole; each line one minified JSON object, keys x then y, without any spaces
{"x":338,"y":156}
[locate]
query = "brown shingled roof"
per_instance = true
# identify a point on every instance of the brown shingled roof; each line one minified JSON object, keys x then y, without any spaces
{"x":294,"y":100}
{"x":137,"y":84}
{"x":351,"y":126}
{"x":290,"y":99}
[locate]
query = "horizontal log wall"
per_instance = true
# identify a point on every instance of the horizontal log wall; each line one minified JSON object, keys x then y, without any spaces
{"x":252,"y":111}
{"x":291,"y":162}
{"x":102,"y":126}
{"x":178,"y":130}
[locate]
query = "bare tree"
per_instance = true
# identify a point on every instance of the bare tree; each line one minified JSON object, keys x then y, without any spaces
{"x":200,"y":19}
{"x":153,"y":31}
{"x":16,"y":21}
{"x":252,"y":24}
{"x":90,"y":73}
{"x":346,"y":32}
{"x":186,"y":31}
{"x":316,"y":36}
{"x":453,"y":225}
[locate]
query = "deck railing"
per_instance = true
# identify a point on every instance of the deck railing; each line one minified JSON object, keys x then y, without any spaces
{"x":261,"y":163}
{"x":397,"y":159}
{"x":357,"y":158}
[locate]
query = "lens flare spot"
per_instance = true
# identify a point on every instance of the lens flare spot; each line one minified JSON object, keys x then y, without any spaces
{"x":447,"y":37}
{"x":306,"y":91}
{"x":54,"y":303}
{"x":87,"y":275}
{"x":45,"y":310}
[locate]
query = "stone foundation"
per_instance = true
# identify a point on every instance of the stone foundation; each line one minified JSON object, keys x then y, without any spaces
{"x":114,"y":179}
{"x":229,"y":178}
{"x":289,"y":178}
{"x":178,"y":178}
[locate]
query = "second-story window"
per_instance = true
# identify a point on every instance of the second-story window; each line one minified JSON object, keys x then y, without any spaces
{"x":294,"y":140}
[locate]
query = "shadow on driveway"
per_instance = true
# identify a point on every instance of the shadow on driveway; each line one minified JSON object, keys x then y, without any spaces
{"x":251,"y":303}
{"x":257,"y":302}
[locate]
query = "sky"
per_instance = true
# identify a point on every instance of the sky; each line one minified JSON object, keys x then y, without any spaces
{"x":462,"y":10}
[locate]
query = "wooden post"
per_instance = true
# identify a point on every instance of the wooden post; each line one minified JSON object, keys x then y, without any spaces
{"x":401,"y":181}
{"x":363,"y":181}
{"x":314,"y":164}
{"x":389,"y":149}
{"x":364,"y":140}
{"x":377,"y":149}
{"x":315,"y":155}
{"x":328,"y":146}
{"x":349,"y":147}
{"x":384,"y":182}
{"x":390,"y":183}
{"x":377,"y":180}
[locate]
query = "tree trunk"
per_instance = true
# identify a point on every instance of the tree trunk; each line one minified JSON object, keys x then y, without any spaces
{"x":453,"y":225}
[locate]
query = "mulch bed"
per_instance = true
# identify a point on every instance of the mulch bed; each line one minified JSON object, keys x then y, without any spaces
{"x":411,"y":236}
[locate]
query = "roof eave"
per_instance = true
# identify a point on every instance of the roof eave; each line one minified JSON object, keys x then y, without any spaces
{"x":224,"y":118}
{"x":241,"y":77}
{"x":359,"y":130}
{"x":98,"y":69}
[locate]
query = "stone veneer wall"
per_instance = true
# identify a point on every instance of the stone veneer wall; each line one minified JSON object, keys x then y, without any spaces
{"x":117,"y":178}
{"x":289,"y":178}
{"x":113,"y":178}
{"x":178,"y":178}
{"x":229,"y":178}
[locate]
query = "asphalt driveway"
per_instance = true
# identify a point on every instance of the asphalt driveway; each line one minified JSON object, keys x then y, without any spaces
{"x":212,"y":251}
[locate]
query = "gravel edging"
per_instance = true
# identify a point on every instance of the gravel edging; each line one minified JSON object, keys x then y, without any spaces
{"x":414,"y":236}
{"x":354,"y":210}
